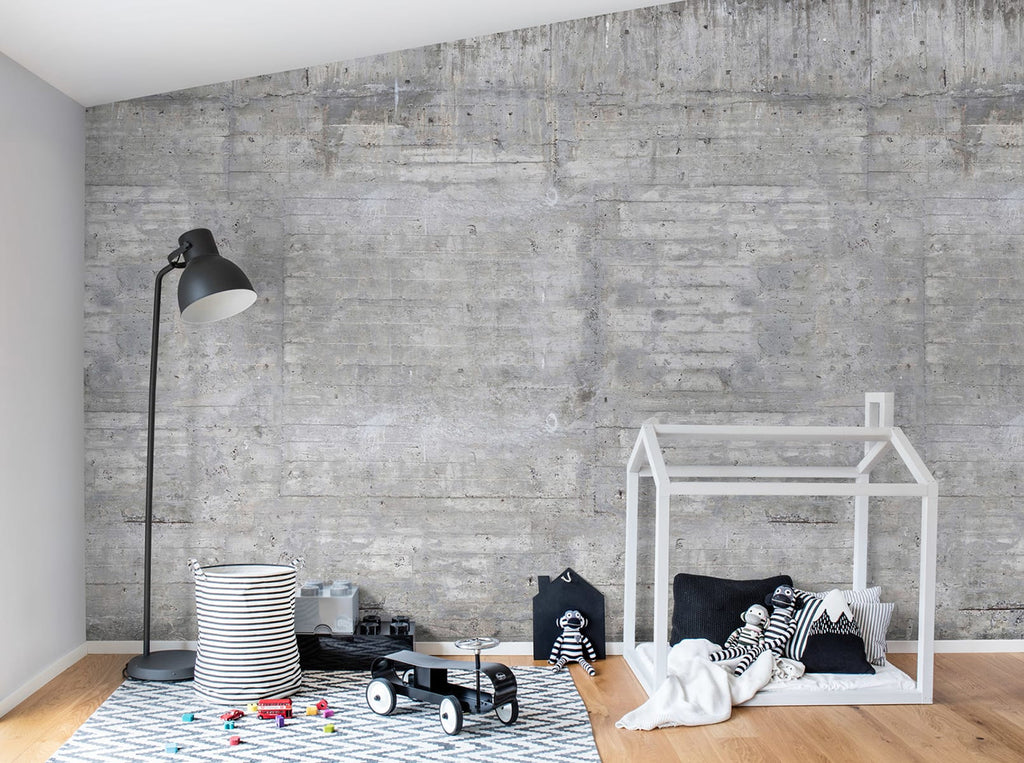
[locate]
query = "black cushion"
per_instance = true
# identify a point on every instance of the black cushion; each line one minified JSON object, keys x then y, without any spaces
{"x":835,"y":653}
{"x":711,"y":608}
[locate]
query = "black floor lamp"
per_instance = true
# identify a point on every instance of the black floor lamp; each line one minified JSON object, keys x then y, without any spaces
{"x":211,"y":288}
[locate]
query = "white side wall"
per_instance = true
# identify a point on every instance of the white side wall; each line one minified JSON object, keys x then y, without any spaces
{"x":42,"y":526}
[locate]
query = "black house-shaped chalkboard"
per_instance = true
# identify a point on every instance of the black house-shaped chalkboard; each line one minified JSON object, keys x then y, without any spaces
{"x":567,"y":591}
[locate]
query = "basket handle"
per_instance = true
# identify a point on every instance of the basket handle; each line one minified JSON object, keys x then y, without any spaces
{"x":197,"y":569}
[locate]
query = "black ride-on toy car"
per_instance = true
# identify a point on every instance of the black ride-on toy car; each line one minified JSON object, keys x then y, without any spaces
{"x":425,"y":678}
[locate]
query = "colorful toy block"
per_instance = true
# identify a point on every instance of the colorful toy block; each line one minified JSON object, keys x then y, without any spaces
{"x":328,"y":713}
{"x":329,"y":728}
{"x":280,"y":721}
{"x":235,"y":740}
{"x":322,"y":705}
{"x":170,"y":748}
{"x":311,"y":710}
{"x":188,"y":717}
{"x":253,"y":707}
{"x":228,"y":725}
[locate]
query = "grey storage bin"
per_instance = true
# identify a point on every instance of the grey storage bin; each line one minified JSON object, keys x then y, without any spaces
{"x":327,"y":609}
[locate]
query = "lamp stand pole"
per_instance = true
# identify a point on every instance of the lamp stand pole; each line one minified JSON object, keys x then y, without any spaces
{"x":174,"y":664}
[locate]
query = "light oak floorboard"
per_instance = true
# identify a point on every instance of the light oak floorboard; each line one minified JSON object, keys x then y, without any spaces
{"x":978,"y":715}
{"x":38,"y":726}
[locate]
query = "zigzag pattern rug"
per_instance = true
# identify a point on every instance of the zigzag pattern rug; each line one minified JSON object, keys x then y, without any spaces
{"x":140,"y":719}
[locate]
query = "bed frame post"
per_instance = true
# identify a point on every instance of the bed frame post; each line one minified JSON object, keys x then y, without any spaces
{"x":662,"y":498}
{"x":878,"y":412}
{"x":926,"y":603}
{"x":661,"y":554}
{"x":629,"y":602}
{"x":633,"y":467}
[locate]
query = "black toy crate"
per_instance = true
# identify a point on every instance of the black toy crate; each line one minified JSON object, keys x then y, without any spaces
{"x":356,"y":652}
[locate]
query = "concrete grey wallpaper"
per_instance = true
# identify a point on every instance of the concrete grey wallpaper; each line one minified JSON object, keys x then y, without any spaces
{"x":482,"y":265}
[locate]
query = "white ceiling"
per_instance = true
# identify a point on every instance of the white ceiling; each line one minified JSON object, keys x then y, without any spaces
{"x":99,"y":51}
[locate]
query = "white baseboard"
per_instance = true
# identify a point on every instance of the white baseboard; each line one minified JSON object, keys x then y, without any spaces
{"x":38,"y":681}
{"x":135,"y":647}
{"x":958,"y":646}
{"x":448,"y":647}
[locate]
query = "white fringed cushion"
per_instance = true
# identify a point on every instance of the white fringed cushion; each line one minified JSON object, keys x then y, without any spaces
{"x":863,"y":596}
{"x":247,"y":648}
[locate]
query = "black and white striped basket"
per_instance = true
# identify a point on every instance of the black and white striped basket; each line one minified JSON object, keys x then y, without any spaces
{"x":247,"y":648}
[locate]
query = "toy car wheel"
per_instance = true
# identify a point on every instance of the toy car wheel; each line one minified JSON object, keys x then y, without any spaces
{"x":450,"y":713}
{"x":508,"y":713}
{"x":380,"y":696}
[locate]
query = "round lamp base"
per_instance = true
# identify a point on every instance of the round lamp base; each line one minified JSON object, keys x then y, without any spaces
{"x":169,"y":665}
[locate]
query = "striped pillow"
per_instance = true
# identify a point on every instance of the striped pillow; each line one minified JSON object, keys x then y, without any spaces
{"x":873,"y":620}
{"x":805,"y":618}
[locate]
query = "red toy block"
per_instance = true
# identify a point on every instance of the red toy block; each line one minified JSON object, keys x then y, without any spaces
{"x":235,"y":740}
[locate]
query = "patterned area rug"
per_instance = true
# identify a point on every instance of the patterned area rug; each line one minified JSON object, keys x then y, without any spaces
{"x":141,"y":719}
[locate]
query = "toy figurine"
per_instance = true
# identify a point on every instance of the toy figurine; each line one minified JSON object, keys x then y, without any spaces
{"x":746,"y":642}
{"x":782,"y":624}
{"x":571,"y":643}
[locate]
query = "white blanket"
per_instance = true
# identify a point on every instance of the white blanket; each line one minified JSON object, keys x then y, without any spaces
{"x":697,"y":691}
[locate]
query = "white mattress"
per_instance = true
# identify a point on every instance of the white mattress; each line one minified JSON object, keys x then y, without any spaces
{"x":886,"y":677}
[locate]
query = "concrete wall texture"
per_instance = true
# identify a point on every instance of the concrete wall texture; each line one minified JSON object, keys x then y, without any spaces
{"x":482,"y":265}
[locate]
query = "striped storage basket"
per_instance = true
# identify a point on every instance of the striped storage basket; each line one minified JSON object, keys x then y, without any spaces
{"x":247,"y":648}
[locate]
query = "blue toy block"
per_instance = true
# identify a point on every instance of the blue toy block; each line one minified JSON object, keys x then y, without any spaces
{"x":188,"y":717}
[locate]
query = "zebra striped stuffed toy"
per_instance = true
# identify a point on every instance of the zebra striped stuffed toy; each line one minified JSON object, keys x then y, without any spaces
{"x":746,"y":642}
{"x":782,"y":624}
{"x":572,"y":643}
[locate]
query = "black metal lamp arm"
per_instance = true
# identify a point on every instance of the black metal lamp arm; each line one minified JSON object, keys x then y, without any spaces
{"x":172,"y":263}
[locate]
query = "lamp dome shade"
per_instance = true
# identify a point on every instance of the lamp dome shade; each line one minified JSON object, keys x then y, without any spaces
{"x":211,"y":287}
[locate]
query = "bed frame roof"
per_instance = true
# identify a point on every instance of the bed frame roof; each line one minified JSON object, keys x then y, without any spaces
{"x":879,"y":437}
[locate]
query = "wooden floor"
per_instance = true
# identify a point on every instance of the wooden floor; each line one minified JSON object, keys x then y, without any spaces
{"x":978,"y":715}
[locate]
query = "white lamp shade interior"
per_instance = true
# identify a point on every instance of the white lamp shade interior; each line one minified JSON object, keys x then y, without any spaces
{"x":218,"y":306}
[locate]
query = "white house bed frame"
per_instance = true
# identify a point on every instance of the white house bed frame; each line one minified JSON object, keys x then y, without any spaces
{"x":879,"y":437}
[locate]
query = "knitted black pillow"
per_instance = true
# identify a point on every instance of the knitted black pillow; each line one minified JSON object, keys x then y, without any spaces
{"x":707,"y":607}
{"x":835,"y":653}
